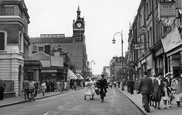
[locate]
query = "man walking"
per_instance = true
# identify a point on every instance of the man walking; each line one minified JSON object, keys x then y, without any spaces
{"x":26,"y":84}
{"x":145,"y":88}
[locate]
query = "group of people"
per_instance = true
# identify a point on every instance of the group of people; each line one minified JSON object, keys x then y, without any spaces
{"x":160,"y":88}
{"x":93,"y":86}
{"x":29,"y":88}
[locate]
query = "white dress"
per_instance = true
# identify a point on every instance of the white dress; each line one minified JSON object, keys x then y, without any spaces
{"x":93,"y":87}
{"x":88,"y":88}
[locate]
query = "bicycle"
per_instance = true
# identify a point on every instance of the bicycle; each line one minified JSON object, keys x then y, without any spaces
{"x":32,"y":95}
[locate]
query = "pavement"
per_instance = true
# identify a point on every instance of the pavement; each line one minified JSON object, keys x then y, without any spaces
{"x":137,"y":101}
{"x":19,"y":99}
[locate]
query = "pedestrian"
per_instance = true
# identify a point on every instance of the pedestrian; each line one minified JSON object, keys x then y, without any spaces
{"x":87,"y":91}
{"x":132,"y":85}
{"x":145,"y":88}
{"x":36,"y":87}
{"x":158,"y":90}
{"x":103,"y":86}
{"x":122,"y":84}
{"x":93,"y":83}
{"x":128,"y":86}
{"x":176,"y":85}
{"x":75,"y":85}
{"x":166,"y":93}
{"x":2,"y":89}
{"x":32,"y":90}
{"x":43,"y":87}
{"x":26,"y":84}
{"x":169,"y":77}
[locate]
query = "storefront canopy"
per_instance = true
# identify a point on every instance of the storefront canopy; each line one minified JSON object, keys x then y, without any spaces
{"x":71,"y":75}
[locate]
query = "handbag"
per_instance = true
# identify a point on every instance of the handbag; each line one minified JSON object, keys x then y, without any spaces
{"x":97,"y":91}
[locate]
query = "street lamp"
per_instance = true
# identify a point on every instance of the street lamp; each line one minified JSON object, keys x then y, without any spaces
{"x":114,"y":41}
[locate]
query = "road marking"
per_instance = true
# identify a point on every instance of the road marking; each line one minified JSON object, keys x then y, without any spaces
{"x":46,"y":113}
{"x":75,"y":100}
{"x":69,"y":102}
{"x":60,"y":106}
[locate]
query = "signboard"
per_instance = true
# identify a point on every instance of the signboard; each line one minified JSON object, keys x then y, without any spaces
{"x":142,"y":31}
{"x":139,"y":46}
{"x":167,"y":9}
{"x":172,"y":40}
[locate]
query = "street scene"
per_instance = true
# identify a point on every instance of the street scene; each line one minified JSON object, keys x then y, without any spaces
{"x":97,"y":57}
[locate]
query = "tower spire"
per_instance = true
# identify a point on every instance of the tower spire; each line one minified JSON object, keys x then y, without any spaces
{"x":78,"y":12}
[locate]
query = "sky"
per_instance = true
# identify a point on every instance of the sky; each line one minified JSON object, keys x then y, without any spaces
{"x":103,"y":18}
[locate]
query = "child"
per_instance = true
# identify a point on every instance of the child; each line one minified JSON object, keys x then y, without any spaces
{"x":166,"y":93}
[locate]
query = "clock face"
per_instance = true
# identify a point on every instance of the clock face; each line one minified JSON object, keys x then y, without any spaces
{"x":168,"y":21}
{"x":78,"y":25}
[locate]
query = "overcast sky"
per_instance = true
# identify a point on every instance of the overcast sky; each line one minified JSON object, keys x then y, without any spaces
{"x":103,"y":18}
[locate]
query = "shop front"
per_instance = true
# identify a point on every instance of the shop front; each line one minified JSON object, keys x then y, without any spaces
{"x":56,"y":74}
{"x":172,"y":44}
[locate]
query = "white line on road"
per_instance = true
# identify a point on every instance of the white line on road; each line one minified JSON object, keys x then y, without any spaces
{"x":69,"y":102}
{"x":60,"y":106}
{"x":46,"y":113}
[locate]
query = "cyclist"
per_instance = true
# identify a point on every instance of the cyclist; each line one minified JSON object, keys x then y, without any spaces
{"x":32,"y":90}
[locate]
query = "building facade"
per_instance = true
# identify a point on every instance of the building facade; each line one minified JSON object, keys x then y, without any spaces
{"x":158,"y":36}
{"x":14,"y":42}
{"x":74,"y":46}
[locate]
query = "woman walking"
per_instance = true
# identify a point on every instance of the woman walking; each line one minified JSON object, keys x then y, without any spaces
{"x":158,"y":90}
{"x":43,"y":87}
{"x":88,"y":91}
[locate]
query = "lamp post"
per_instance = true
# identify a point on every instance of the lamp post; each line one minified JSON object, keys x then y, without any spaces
{"x":114,"y":41}
{"x":91,"y":63}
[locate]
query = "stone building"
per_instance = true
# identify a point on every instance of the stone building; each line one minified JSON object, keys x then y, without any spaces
{"x":14,"y":42}
{"x":74,"y":46}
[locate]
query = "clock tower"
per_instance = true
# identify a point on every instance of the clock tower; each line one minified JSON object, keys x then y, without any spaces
{"x":79,"y":27}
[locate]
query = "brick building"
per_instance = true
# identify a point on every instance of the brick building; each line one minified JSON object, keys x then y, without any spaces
{"x":74,"y":46}
{"x":14,"y":41}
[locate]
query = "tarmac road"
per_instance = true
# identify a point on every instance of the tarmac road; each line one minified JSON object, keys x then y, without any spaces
{"x":73,"y":103}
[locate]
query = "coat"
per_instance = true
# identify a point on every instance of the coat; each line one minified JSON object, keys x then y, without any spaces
{"x":176,"y":84}
{"x":145,"y":86}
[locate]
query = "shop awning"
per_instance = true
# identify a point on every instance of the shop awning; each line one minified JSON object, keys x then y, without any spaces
{"x":71,"y":75}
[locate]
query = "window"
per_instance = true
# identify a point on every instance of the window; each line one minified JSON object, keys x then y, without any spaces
{"x":9,"y":10}
{"x":34,"y":48}
{"x":21,"y":42}
{"x":2,"y":40}
{"x":41,"y":49}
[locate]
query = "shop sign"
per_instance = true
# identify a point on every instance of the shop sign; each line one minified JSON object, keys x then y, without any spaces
{"x":139,"y":46}
{"x":142,"y":31}
{"x":149,"y":62}
{"x":48,"y":71}
{"x":172,"y":40}
{"x":167,"y":9}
